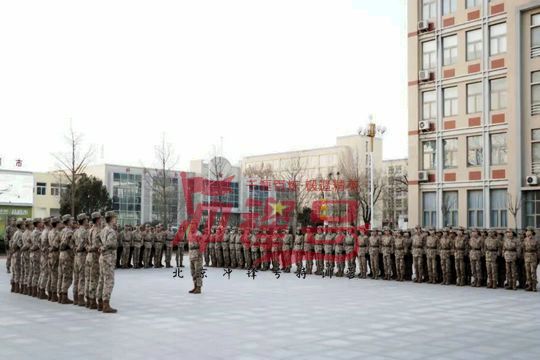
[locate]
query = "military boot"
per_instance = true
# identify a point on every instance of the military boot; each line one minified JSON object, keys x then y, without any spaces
{"x":12,"y":287}
{"x":75,"y":299}
{"x":42,"y":295}
{"x":82,"y":302}
{"x":36,"y":292}
{"x":99,"y":305}
{"x":49,"y":296}
{"x":92,"y":304}
{"x":54,"y":297}
{"x":197,"y":290}
{"x":192,"y":290}
{"x":107,"y":308}
{"x":168,"y":264}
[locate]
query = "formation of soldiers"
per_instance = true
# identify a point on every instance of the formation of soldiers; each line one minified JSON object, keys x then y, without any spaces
{"x":450,"y":256}
{"x":49,"y":256}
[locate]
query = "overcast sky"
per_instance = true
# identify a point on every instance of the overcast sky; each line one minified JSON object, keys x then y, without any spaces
{"x":266,"y":75}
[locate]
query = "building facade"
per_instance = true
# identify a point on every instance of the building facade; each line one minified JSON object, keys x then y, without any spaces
{"x":16,"y":196}
{"x":48,"y":187}
{"x":395,"y":194}
{"x":474,"y":119}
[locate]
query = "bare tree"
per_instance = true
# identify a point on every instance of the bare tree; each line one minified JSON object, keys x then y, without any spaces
{"x":72,"y":163}
{"x":396,"y":184}
{"x":513,"y":205}
{"x":293,"y":173}
{"x":354,"y":173}
{"x":446,"y":207}
{"x":219,"y":169}
{"x":162,"y":182}
{"x":261,"y":172}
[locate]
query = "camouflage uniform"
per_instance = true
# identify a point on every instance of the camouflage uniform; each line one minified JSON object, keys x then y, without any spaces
{"x":399,"y":251}
{"x":445,"y":250}
{"x":286,"y":251}
{"x":476,"y":246}
{"x":531,"y":252}
{"x":159,"y":242}
{"x":339,"y":253}
{"x":363,"y":251}
{"x":195,"y":260}
{"x":148,"y":243}
{"x":127,"y":243}
{"x":418,"y":255}
{"x":225,"y":249}
{"x":254,"y":246}
{"x":265,"y":244}
{"x":298,"y":249}
{"x":169,"y":236}
{"x":26,"y":271}
{"x":91,"y":270}
{"x":239,"y":249}
{"x":16,"y":245}
{"x":10,"y":231}
{"x":35,"y":257}
{"x":492,"y":247}
{"x":44,"y":260}
{"x":218,"y":246}
{"x":387,"y":248}
{"x":65,"y":260}
{"x":179,"y":255}
{"x":510,"y":250}
{"x":328,"y":248}
{"x":80,"y":236}
{"x":275,"y":250}
{"x":350,"y":251}
{"x":54,"y":248}
{"x":232,"y":249}
{"x":318,"y":248}
{"x":308,"y":252}
{"x":374,"y":251}
{"x":210,"y":254}
{"x":137,"y":239}
{"x":432,"y":246}
{"x":460,"y":249}
{"x":107,"y":262}
{"x":246,"y":247}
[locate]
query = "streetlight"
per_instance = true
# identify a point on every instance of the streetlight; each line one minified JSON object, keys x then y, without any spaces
{"x":372,"y":130}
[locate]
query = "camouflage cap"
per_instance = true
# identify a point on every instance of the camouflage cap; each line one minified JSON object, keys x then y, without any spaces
{"x":96,"y":215}
{"x":82,"y":217}
{"x":110,"y":214}
{"x":37,"y":220}
{"x":29,"y":221}
{"x":19,"y":222}
{"x":66,"y":217}
{"x":47,"y":220}
{"x":55,"y":220}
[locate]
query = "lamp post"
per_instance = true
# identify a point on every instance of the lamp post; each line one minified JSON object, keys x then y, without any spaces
{"x":372,"y":130}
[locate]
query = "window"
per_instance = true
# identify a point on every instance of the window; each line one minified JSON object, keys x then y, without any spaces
{"x":535,"y":35}
{"x":429,"y":55}
{"x":450,"y":208}
{"x":450,"y":96}
{"x":429,"y":9}
{"x":429,"y":154}
{"x":474,"y":44}
{"x":475,"y":208}
{"x":535,"y":93}
{"x":498,"y":149}
{"x":497,"y":39}
{"x":449,"y":6}
{"x":535,"y":144}
{"x":532,"y":209}
{"x":58,"y":189}
{"x":498,"y":94}
{"x":475,"y":151}
{"x":450,"y":50}
{"x":472,"y":3}
{"x":498,"y":208}
{"x":429,"y":206}
{"x":41,"y":188}
{"x":429,"y":105}
{"x":474,"y":98}
{"x":450,"y":153}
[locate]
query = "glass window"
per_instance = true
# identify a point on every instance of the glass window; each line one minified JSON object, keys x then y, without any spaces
{"x":472,"y":3}
{"x":429,"y":55}
{"x":535,"y":33}
{"x":535,"y":144}
{"x":475,"y":208}
{"x":429,"y":206}
{"x":450,"y":152}
{"x":429,"y":154}
{"x":535,"y":93}
{"x":429,"y":105}
{"x":450,"y":208}
{"x":475,"y":151}
{"x":498,"y":94}
{"x":450,"y":50}
{"x":474,"y":98}
{"x":498,"y":208}
{"x":498,"y":149}
{"x":41,"y":188}
{"x":474,"y":44}
{"x":497,"y":39}
{"x":449,"y":6}
{"x":532,"y":209}
{"x":429,"y":9}
{"x":450,"y":96}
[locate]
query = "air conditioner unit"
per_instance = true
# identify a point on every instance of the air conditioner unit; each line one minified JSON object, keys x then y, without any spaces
{"x":424,"y":75}
{"x":423,"y":25}
{"x":424,"y":125}
{"x":423,"y":176}
{"x":532,"y":180}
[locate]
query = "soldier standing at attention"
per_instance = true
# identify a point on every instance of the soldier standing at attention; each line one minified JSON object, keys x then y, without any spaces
{"x":298,"y":249}
{"x":445,"y":250}
{"x":460,"y":248}
{"x":239,"y":248}
{"x":418,"y":254}
{"x":44,"y":260}
{"x":107,"y":260}
{"x":54,"y":248}
{"x":179,"y":255}
{"x":65,"y":260}
{"x":363,"y":251}
{"x":92,"y":262}
{"x":10,"y":231}
{"x":147,"y":246}
{"x":531,"y":250}
{"x":339,"y":252}
{"x":16,"y":245}
{"x":246,"y":247}
{"x":159,"y":241}
{"x":275,"y":242}
{"x":35,"y":256}
{"x":432,"y":245}
{"x":25,"y":257}
{"x":195,"y":259}
{"x":219,"y":246}
{"x":318,"y":248}
{"x":80,"y":237}
{"x":254,"y":245}
{"x":309,"y":250}
{"x":510,"y":249}
{"x":225,"y":248}
{"x":210,"y":253}
{"x":476,"y":246}
{"x":137,"y":239}
{"x":374,"y":244}
{"x":232,"y":248}
{"x":328,"y":248}
{"x":169,"y":236}
{"x":265,"y":244}
{"x":127,"y":239}
{"x":387,"y":247}
{"x":350,"y":250}
{"x":399,"y":251}
{"x":492,"y":252}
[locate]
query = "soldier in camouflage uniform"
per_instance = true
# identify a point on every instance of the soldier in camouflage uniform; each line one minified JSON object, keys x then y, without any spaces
{"x":351,"y":251}
{"x":265,"y":245}
{"x":298,"y":249}
{"x":169,"y":236}
{"x":254,"y":246}
{"x":432,"y":248}
{"x":179,"y":255}
{"x":54,"y":249}
{"x":26,"y":271}
{"x":232,"y":248}
{"x":531,"y":251}
{"x":66,"y":260}
{"x":400,"y":247}
{"x":127,"y":243}
{"x":246,"y":245}
{"x":10,"y":231}
{"x":387,"y":249}
{"x":363,"y":252}
{"x":220,"y":234}
{"x":445,"y":251}
{"x":80,"y":236}
{"x":91,"y":269}
{"x":195,"y":259}
{"x":35,"y":256}
{"x":418,"y":243}
{"x":16,"y":245}
{"x":374,"y":251}
{"x":137,"y":239}
{"x":239,"y":248}
{"x":286,"y":250}
{"x":309,"y":250}
{"x":148,"y":243}
{"x":510,"y":251}
{"x":328,"y":248}
{"x":460,"y":248}
{"x":318,"y":248}
{"x":107,"y":261}
{"x":44,"y":259}
{"x":210,"y":254}
{"x":476,"y":250}
{"x":492,"y":247}
{"x":275,"y":243}
{"x":339,"y":252}
{"x":159,"y":242}
{"x":225,"y":248}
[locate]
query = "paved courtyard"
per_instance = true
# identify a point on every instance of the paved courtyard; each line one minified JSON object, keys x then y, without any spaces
{"x":269,"y":318}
